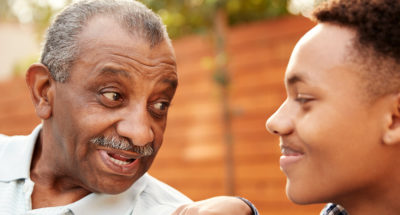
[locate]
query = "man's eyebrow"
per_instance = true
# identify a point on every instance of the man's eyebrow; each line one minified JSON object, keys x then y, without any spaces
{"x":173,"y":82}
{"x":113,"y":71}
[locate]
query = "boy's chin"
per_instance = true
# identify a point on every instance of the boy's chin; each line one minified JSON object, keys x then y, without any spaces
{"x":304,"y":196}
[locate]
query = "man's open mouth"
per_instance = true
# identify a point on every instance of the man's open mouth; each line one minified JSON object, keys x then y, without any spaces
{"x":120,"y":159}
{"x":120,"y":162}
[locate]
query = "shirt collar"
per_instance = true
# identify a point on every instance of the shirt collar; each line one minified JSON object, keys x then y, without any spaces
{"x":105,"y":204}
{"x":16,"y":155}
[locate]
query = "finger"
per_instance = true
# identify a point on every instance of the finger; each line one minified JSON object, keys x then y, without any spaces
{"x":180,"y":210}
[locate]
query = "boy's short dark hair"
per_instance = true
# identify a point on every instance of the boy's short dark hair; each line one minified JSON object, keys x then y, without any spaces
{"x":377,"y":27}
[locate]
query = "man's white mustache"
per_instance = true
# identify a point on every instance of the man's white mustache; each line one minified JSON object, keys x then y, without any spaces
{"x":121,"y":143}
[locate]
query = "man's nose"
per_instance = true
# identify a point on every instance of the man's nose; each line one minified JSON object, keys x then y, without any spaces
{"x":136,"y":125}
{"x":280,"y":123}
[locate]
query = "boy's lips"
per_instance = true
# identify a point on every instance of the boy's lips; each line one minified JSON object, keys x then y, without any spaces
{"x":288,"y":151}
{"x":290,"y":154}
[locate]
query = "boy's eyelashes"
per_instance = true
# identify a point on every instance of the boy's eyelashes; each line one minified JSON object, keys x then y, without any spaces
{"x":303,"y":98}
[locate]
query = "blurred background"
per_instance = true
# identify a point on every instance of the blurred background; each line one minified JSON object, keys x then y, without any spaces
{"x":231,"y":57}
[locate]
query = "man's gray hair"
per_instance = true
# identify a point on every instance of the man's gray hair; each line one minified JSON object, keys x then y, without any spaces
{"x":61,"y":45}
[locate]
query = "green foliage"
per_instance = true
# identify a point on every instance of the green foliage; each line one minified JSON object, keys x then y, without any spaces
{"x":37,"y":12}
{"x":22,"y":64}
{"x":244,"y":11}
{"x":5,"y":13}
{"x":41,"y":17}
{"x":196,"y":16}
{"x":181,"y":16}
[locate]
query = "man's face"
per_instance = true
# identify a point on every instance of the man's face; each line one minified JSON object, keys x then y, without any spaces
{"x":119,"y":89}
{"x":329,"y":135}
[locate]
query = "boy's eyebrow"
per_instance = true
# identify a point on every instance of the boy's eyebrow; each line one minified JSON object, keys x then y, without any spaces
{"x":295,"y":78}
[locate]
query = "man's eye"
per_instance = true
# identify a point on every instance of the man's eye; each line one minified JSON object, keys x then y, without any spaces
{"x":112,"y":96}
{"x":111,"y":99}
{"x":159,"y":109}
{"x":162,"y":106}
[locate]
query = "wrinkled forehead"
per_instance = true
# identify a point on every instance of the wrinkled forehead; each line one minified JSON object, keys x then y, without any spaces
{"x":107,"y":48}
{"x":107,"y":31}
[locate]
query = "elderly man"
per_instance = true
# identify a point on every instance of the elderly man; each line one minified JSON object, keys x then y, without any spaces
{"x":339,"y":127}
{"x":103,"y":87}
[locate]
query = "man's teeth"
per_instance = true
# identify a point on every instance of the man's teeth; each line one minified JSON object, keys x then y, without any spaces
{"x":119,"y":162}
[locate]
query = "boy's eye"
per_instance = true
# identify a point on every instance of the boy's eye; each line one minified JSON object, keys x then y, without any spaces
{"x":303,"y":99}
{"x":113,"y":96}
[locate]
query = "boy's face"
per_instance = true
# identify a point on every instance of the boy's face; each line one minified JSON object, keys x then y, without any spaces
{"x":331,"y":138}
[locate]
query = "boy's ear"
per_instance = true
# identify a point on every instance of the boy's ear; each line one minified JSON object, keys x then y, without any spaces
{"x":392,"y":130}
{"x":41,"y":87}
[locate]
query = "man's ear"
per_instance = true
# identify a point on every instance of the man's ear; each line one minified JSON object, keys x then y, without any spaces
{"x":41,"y":87}
{"x":392,"y":130}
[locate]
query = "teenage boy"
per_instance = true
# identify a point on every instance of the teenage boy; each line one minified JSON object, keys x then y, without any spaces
{"x":339,"y":127}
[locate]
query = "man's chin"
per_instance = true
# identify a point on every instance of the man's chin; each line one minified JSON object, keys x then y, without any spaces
{"x":110,"y":182}
{"x":114,"y":186}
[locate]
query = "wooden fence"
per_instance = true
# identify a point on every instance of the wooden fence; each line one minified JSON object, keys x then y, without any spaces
{"x":192,"y":158}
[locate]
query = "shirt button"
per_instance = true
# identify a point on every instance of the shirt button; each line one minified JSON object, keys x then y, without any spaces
{"x":28,"y":186}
